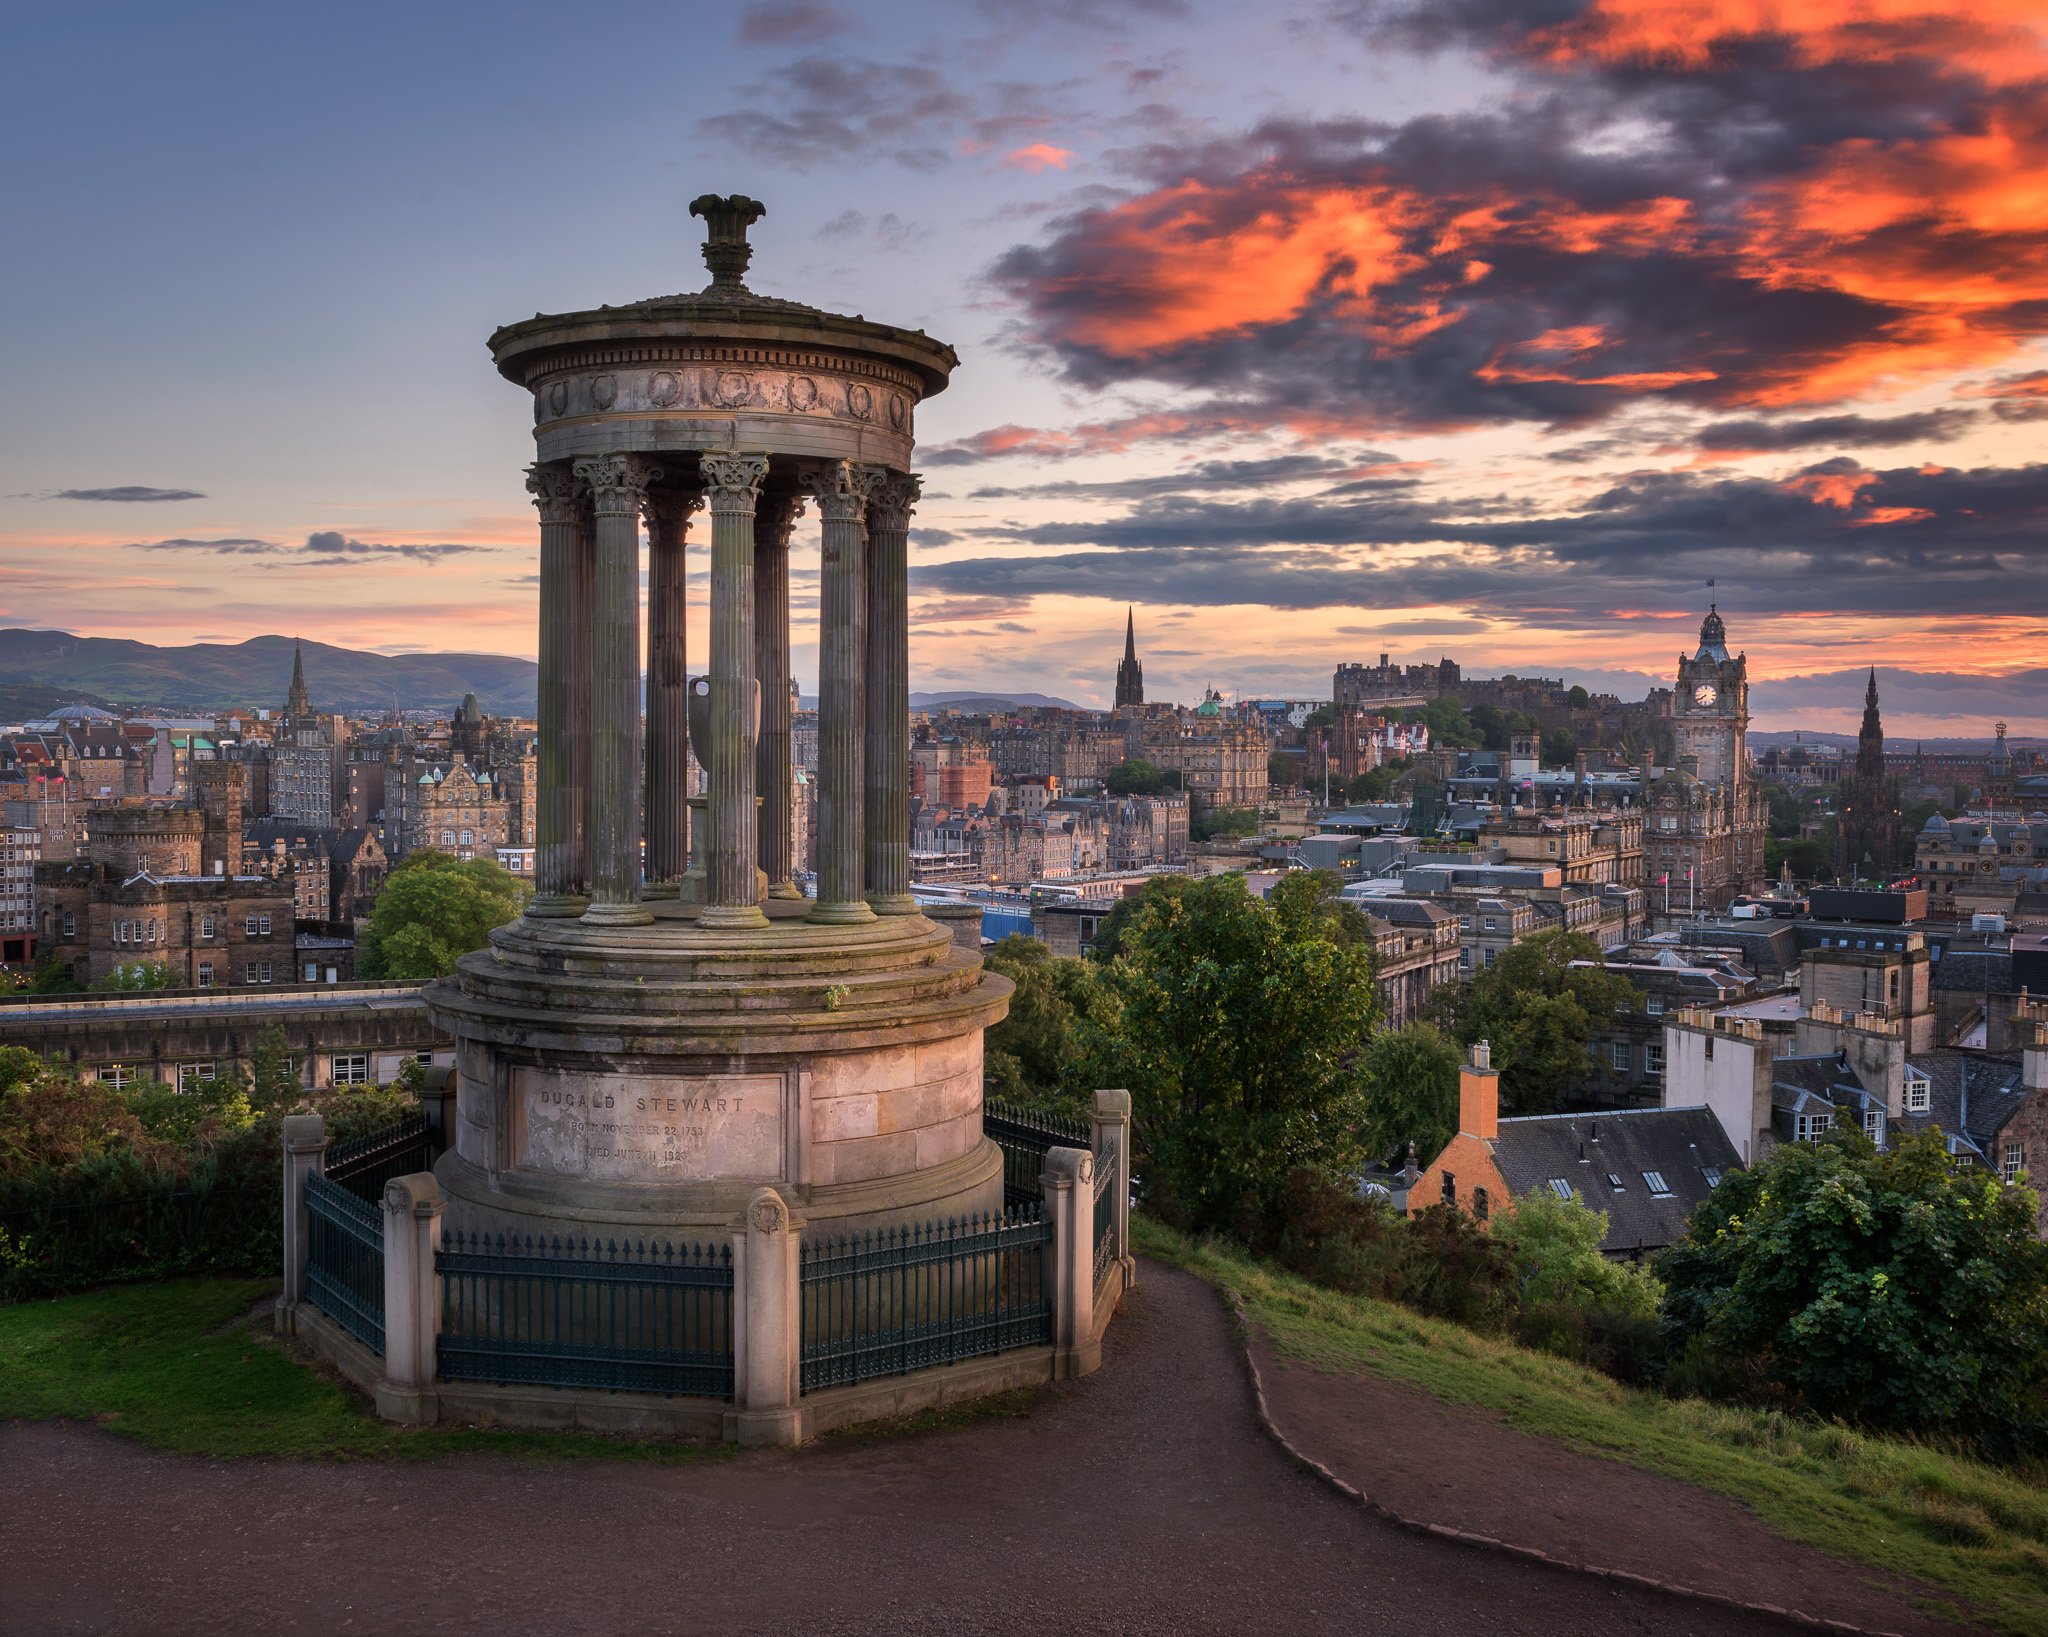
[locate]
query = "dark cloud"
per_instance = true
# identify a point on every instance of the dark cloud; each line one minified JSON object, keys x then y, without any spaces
{"x":836,"y":109}
{"x":127,"y":493}
{"x":333,"y":543}
{"x":1838,"y":431}
{"x":225,"y":547}
{"x":1641,"y":219}
{"x":1912,"y":541}
{"x":1209,"y":474}
{"x":776,"y":22}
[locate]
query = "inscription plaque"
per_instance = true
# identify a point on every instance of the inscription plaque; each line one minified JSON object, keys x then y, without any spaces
{"x":619,"y":1128}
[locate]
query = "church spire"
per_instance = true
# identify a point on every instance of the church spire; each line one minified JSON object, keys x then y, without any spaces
{"x":1130,"y":676}
{"x":296,"y":703}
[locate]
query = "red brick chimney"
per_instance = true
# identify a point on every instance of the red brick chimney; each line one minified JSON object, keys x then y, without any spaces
{"x":1479,"y":1095}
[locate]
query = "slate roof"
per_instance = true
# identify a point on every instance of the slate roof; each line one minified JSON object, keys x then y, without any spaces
{"x":1974,"y":972}
{"x":1681,"y":1145}
{"x":1969,"y":1097}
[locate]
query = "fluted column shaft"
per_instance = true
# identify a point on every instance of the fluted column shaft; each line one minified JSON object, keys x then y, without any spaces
{"x":842,"y":491}
{"x":618,"y":483}
{"x":888,"y":696}
{"x":559,"y":887}
{"x":773,"y":778}
{"x":668,"y":685}
{"x":732,"y":893}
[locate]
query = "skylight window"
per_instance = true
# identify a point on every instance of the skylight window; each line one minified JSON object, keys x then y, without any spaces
{"x":1713,"y":1175}
{"x":1654,"y":1180}
{"x":1614,"y":1181}
{"x":1561,"y":1188}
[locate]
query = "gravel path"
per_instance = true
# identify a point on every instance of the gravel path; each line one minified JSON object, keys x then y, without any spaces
{"x":1144,"y":1498}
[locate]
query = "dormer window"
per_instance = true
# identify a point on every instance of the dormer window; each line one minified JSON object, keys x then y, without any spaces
{"x":1919,"y":1094}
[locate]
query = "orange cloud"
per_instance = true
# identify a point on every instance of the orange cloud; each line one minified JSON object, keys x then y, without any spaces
{"x":1839,"y":489}
{"x":1039,"y":156}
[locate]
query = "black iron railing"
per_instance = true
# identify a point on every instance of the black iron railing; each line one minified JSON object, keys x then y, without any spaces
{"x":1105,"y":1208}
{"x":345,"y":1259}
{"x":364,"y":1164}
{"x":1024,"y":1136}
{"x":901,"y":1299}
{"x":573,"y":1313}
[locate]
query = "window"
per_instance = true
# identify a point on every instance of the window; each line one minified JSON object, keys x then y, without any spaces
{"x":352,"y":1069}
{"x":1614,"y":1181}
{"x":1655,"y":1006}
{"x":1561,"y":1188}
{"x":1919,"y":1094}
{"x":248,"y":971}
{"x":1713,"y":1175}
{"x":1492,"y":925}
{"x":263,"y":925}
{"x":311,"y":974}
{"x":1622,"y":1057}
{"x":116,"y":1074}
{"x":1450,"y":1189}
{"x":1812,"y":1127}
{"x":447,"y":838}
{"x":249,"y":927}
{"x":70,"y":924}
{"x":468,"y":838}
{"x":206,"y":974}
{"x":191,"y":1075}
{"x":1654,"y":1181}
{"x":1653,"y":1057}
{"x":2015,"y":1162}
{"x":1710,"y":1048}
{"x":206,"y":926}
{"x":263,"y":972}
{"x":1480,"y":1204}
{"x":1873,"y":1124}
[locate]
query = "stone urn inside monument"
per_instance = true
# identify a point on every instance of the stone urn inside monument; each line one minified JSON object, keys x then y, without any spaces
{"x":637,"y":1055}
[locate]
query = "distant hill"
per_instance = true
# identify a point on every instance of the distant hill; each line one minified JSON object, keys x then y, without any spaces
{"x":979,"y":702}
{"x":208,"y":676}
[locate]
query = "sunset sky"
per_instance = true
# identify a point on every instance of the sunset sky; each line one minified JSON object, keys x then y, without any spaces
{"x":1489,"y":328}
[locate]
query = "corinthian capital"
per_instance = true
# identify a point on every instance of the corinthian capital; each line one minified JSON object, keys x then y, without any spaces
{"x":618,"y":483}
{"x":555,"y":492}
{"x":893,"y":501}
{"x":733,"y":482}
{"x":843,"y":490}
{"x":668,"y":511}
{"x":776,"y":520}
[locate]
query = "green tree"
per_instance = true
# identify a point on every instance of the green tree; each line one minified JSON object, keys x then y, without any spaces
{"x":274,"y":1082}
{"x":202,"y":1111}
{"x":1283,"y":768}
{"x":1560,"y":749}
{"x":1411,"y":1078}
{"x":1213,"y":822}
{"x":1138,"y":777}
{"x":131,"y":976}
{"x":1046,"y":1050}
{"x":1240,"y":1028}
{"x":1903,"y":1290}
{"x":1449,"y":725}
{"x":1556,"y":1246}
{"x":1541,"y":1012}
{"x":1578,"y":698}
{"x":1375,"y":784}
{"x":433,"y":910}
{"x":52,"y":976}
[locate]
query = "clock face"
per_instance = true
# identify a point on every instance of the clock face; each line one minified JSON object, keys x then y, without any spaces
{"x":1703,"y":694}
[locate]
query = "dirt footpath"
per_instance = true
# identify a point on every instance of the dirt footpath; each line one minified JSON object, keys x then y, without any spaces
{"x":1460,"y":1466}
{"x":1145,"y":1498}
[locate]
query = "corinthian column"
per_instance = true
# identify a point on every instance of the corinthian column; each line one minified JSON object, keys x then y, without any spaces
{"x":618,"y":484}
{"x":732,"y":893}
{"x":772,"y":526}
{"x":842,"y":490}
{"x":558,"y":828}
{"x":888,"y":704}
{"x":668,"y":683}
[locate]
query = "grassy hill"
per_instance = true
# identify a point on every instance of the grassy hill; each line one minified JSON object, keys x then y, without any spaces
{"x":208,"y":676}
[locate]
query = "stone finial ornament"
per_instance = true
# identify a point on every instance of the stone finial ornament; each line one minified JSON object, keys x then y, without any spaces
{"x":727,"y":252}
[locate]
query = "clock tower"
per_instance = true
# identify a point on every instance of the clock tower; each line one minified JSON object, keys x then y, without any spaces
{"x":1710,"y":710}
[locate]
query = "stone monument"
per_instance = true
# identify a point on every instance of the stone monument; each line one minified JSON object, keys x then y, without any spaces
{"x":649,"y":1045}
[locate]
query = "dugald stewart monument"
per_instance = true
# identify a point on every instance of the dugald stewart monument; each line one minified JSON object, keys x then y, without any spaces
{"x":645,"y":1048}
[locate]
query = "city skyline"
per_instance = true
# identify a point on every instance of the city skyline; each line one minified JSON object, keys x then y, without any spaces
{"x":1424,"y":331}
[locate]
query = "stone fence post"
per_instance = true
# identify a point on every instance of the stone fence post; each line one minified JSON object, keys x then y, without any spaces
{"x":1069,"y":1183}
{"x":437,"y":1103}
{"x":412,"y":1304}
{"x":305,"y":1144}
{"x":767,"y":1323}
{"x":1110,"y":1120}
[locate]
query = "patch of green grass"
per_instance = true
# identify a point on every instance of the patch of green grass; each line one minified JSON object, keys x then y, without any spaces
{"x":1977,"y":1532}
{"x":184,"y":1365}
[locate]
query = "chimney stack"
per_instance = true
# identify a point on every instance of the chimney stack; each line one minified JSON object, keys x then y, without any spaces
{"x":1479,"y":1095}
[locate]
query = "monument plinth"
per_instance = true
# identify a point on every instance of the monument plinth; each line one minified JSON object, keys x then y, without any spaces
{"x":636,"y":1054}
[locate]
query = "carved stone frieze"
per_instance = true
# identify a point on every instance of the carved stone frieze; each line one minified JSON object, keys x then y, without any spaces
{"x":718,"y":388}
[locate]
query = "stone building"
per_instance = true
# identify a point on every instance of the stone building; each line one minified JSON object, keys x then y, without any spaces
{"x":1221,"y":756}
{"x":1976,"y":865}
{"x":137,"y":894}
{"x":1585,"y":845}
{"x":1355,"y":687}
{"x":1867,"y":814}
{"x":1416,"y":950}
{"x":1130,"y":675}
{"x":308,"y":759}
{"x":1076,"y":750}
{"x":21,"y":850}
{"x":1706,"y":819}
{"x":1144,"y":831}
{"x":450,"y":806}
{"x":949,"y":771}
